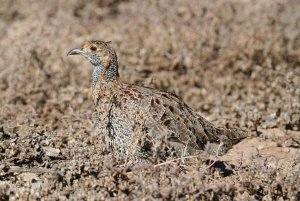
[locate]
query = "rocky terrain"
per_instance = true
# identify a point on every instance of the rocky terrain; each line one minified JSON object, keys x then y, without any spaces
{"x":236,"y":62}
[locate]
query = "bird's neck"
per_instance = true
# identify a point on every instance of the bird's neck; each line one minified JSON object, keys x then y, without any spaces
{"x":102,"y":75}
{"x":105,"y":82}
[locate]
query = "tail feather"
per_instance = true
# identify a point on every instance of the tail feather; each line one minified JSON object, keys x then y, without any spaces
{"x":228,"y":137}
{"x":234,"y":134}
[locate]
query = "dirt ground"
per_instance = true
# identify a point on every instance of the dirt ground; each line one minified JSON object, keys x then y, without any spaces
{"x":237,"y":62}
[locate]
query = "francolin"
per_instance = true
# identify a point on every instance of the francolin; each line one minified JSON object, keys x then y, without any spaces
{"x":145,"y":124}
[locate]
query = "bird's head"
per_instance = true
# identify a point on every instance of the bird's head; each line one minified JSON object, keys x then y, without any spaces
{"x":103,"y":58}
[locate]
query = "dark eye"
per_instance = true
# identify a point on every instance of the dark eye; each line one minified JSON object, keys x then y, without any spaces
{"x":93,"y":48}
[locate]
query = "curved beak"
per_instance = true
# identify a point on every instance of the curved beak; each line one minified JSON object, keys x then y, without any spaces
{"x":75,"y":51}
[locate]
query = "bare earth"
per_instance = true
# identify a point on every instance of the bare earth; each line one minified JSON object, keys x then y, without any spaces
{"x":237,"y":62}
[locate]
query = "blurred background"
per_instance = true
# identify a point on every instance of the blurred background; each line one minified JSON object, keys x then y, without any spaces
{"x":236,"y":62}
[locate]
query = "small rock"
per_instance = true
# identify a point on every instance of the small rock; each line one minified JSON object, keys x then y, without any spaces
{"x":28,"y":176}
{"x":50,"y":151}
{"x":273,"y":132}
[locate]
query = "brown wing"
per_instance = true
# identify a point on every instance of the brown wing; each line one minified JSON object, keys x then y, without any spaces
{"x":166,"y":118}
{"x":166,"y":113}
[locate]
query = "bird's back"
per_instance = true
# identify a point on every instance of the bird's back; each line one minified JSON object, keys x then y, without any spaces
{"x":143,"y":122}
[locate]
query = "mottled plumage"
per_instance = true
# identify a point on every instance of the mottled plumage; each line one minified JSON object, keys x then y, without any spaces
{"x":144,"y":124}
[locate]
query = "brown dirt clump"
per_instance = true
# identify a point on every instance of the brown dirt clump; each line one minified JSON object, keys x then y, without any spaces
{"x":236,"y":62}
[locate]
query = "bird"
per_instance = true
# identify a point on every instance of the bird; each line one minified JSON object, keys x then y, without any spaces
{"x":142,"y":124}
